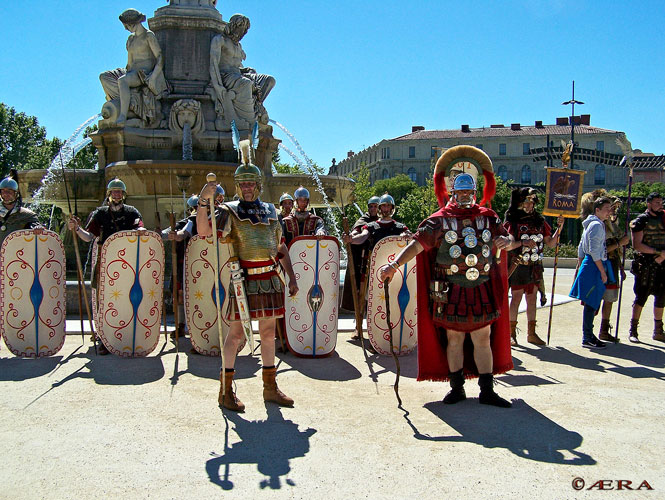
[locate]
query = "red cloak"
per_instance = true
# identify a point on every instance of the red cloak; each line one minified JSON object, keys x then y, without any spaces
{"x":432,"y":340}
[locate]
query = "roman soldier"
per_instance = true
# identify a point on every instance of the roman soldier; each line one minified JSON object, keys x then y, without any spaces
{"x":371,"y":234}
{"x":106,"y":220}
{"x":525,"y":259}
{"x":302,"y":222}
{"x":286,"y":206}
{"x":13,"y":216}
{"x":256,"y":235}
{"x":463,"y":325}
{"x":648,"y":232}
{"x":359,"y":253}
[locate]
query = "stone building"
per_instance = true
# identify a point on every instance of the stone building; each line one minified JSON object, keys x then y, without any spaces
{"x":519,"y":152}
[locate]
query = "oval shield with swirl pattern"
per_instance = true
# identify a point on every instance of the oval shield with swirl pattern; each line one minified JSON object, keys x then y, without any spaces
{"x":403,"y":306}
{"x":311,"y":315}
{"x":200,"y":303}
{"x":131,"y":282}
{"x":32,"y":293}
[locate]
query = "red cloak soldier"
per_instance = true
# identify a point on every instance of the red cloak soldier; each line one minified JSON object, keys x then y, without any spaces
{"x":465,"y":330}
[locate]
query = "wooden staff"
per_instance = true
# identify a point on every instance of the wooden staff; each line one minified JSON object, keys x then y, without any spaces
{"x":386,"y":287}
{"x":211,"y":177}
{"x":79,"y":268}
{"x":556,"y":259}
{"x":352,"y":276}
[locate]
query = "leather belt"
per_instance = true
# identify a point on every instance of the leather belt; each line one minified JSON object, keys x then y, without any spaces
{"x":259,"y":270}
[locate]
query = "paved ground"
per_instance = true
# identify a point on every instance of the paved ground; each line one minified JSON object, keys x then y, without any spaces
{"x":80,"y":426}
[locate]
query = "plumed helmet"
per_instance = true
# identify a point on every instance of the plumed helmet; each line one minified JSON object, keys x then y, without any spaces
{"x":464,"y":181}
{"x":115,"y":184}
{"x":285,"y":196}
{"x":219,"y":190}
{"x":373,"y":199}
{"x":193,"y":201}
{"x":301,"y":192}
{"x":247,"y":172}
{"x":386,"y":198}
{"x":9,"y":183}
{"x":462,"y":158}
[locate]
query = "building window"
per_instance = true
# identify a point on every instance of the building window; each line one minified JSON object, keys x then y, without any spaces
{"x":385,"y":173}
{"x":526,"y":174}
{"x":503,"y":172}
{"x":385,"y":153}
{"x":526,"y":147}
{"x":502,"y":149}
{"x":600,"y":146}
{"x":433,"y":152}
{"x":412,"y":151}
{"x":599,"y":175}
{"x":479,"y":146}
{"x":412,"y":174}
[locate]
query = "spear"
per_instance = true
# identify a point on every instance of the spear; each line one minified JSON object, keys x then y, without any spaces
{"x":211,"y":177}
{"x":352,"y":274}
{"x":623,"y":258}
{"x":386,"y":287}
{"x":79,"y":268}
{"x":158,"y":228}
{"x":174,"y":265}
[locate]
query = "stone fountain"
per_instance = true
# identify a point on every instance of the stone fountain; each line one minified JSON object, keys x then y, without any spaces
{"x":167,"y":118}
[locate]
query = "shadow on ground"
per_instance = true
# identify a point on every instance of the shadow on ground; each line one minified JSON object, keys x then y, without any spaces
{"x":270,"y":444}
{"x":521,"y":429}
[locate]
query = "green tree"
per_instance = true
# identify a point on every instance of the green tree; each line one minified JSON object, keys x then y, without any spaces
{"x":417,"y":205}
{"x":21,"y":136}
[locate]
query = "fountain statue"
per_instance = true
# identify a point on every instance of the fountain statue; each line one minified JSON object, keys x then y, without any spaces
{"x":167,"y":118}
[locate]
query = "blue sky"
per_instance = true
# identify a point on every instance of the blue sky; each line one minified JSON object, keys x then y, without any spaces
{"x":350,"y":73}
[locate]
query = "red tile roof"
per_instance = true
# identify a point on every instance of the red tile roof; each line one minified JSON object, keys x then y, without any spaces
{"x":504,"y":132}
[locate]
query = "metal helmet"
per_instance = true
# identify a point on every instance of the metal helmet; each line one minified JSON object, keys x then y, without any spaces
{"x":373,"y":199}
{"x":285,"y":196}
{"x":301,"y":192}
{"x":464,"y":182}
{"x":220,"y":190}
{"x":248,"y":173}
{"x":386,"y":198}
{"x":9,"y":183}
{"x":193,"y":201}
{"x":116,"y":184}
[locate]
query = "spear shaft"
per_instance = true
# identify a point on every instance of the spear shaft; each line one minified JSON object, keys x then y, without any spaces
{"x":174,"y":266}
{"x":623,"y":258}
{"x":79,"y":268}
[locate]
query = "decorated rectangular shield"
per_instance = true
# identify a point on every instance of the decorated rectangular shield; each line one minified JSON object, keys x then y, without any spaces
{"x":131,"y":282}
{"x":32,"y":293}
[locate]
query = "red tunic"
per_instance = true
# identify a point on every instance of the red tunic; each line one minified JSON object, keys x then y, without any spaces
{"x":432,"y":340}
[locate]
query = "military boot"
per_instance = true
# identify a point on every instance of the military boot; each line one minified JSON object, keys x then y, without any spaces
{"x":658,"y":330}
{"x":271,"y":392}
{"x":487,"y":394}
{"x":632,"y":335}
{"x":604,"y":333}
{"x":513,"y":333}
{"x":531,"y":336}
{"x":227,"y":398}
{"x":456,"y":393}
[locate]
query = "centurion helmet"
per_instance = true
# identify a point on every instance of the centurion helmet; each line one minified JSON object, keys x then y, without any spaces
{"x":463,"y":159}
{"x":285,"y":196}
{"x":246,"y":171}
{"x":9,"y":183}
{"x":373,"y":199}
